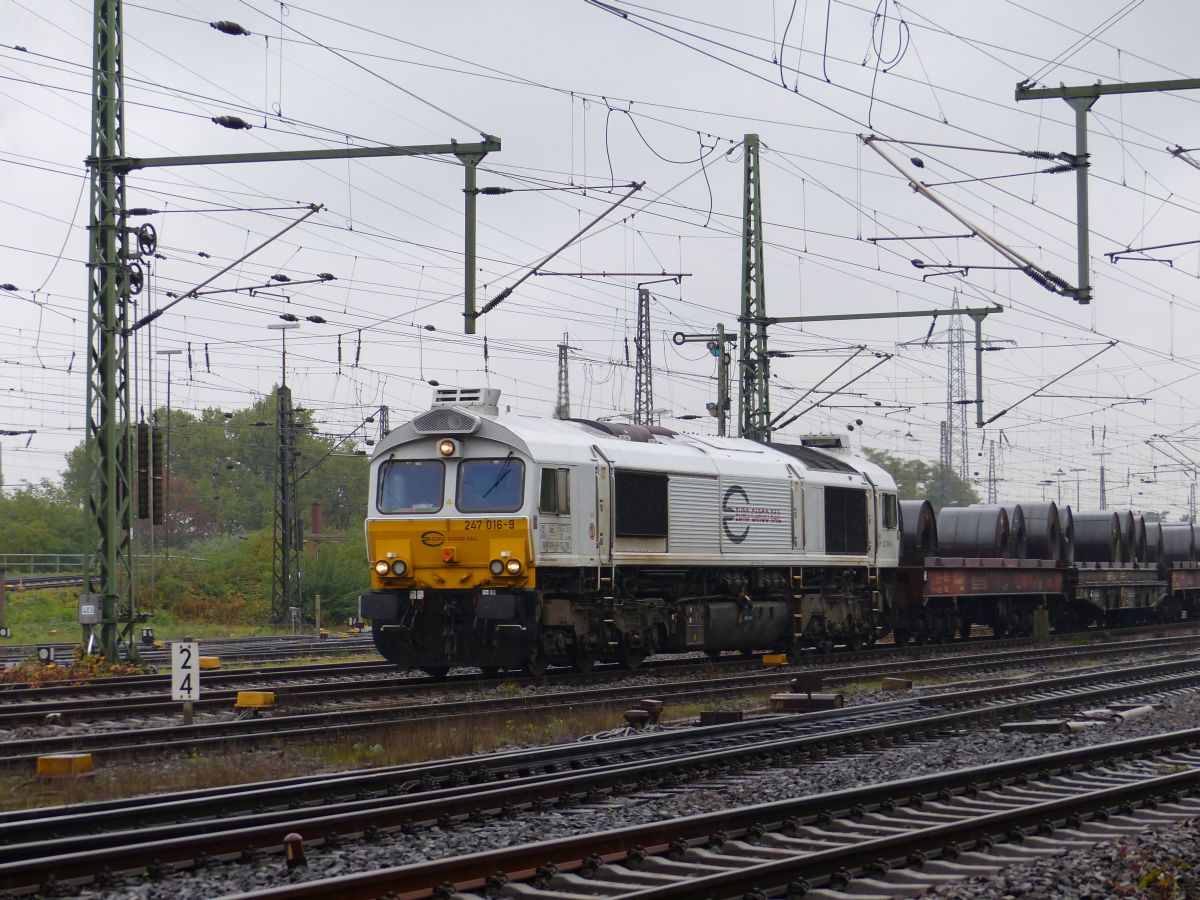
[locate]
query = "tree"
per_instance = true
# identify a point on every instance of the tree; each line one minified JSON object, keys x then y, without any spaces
{"x":221,"y":472}
{"x":42,"y":518}
{"x":919,"y":480}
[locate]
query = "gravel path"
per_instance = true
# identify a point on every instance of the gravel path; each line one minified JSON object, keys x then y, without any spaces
{"x":1109,"y":870}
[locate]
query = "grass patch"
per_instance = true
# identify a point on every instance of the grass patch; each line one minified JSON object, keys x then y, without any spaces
{"x":52,"y":615}
{"x":80,"y":669}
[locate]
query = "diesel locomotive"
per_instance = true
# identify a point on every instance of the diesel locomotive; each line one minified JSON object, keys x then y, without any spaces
{"x":515,"y":541}
{"x":505,"y":541}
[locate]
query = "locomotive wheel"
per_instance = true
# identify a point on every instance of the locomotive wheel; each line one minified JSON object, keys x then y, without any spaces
{"x":854,"y":642}
{"x":632,"y":658}
{"x":536,"y":665}
{"x":489,"y":671}
{"x":437,"y":673}
{"x":825,"y":646}
{"x":584,"y":662}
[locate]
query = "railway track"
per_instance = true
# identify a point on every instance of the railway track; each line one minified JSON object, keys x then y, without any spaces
{"x":252,"y":650}
{"x":283,"y":648}
{"x":26,"y":705}
{"x":310,"y":725}
{"x":129,"y":685}
{"x":40,"y":582}
{"x":892,"y":839}
{"x":176,"y":829}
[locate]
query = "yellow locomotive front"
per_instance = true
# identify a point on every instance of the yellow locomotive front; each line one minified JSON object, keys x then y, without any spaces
{"x":449,"y":543}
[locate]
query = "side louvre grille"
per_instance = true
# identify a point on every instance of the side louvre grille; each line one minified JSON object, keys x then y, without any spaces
{"x":445,"y":421}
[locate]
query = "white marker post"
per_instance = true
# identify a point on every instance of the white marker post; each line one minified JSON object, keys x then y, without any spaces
{"x":185,"y":676}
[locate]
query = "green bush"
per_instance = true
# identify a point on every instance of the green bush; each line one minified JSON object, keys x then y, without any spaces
{"x":339,"y":572}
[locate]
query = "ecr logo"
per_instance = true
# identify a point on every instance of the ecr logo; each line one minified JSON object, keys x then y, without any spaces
{"x":433,"y":539}
{"x":731,"y":513}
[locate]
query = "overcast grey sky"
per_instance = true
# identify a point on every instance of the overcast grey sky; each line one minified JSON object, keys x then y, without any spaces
{"x":582,"y":96}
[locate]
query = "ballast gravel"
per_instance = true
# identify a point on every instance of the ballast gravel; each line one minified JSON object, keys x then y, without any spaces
{"x":1156,"y":863}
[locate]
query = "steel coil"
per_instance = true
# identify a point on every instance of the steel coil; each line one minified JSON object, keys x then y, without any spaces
{"x":1097,"y":537}
{"x":1133,"y":538}
{"x":973,"y":531}
{"x":1154,"y":542}
{"x":1178,"y":543}
{"x":1043,"y":533}
{"x":918,"y":532}
{"x":1017,"y":535}
{"x":1066,"y":527}
{"x":1139,"y":538}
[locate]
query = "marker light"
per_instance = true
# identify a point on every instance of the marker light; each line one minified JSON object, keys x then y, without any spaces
{"x":513,"y":566}
{"x":447,"y":447}
{"x":399,"y":567}
{"x":382,"y":567}
{"x":496,"y":567}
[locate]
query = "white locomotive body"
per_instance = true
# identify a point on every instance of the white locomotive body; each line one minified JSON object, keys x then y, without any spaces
{"x":501,"y":541}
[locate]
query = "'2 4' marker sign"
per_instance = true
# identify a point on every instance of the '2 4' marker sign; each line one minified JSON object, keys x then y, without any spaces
{"x":185,"y":671}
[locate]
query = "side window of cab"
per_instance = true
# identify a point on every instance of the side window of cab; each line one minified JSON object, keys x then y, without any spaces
{"x":891,"y":512}
{"x":554,"y":499}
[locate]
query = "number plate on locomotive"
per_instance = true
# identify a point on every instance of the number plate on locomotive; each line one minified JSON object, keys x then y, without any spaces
{"x":490,"y":525}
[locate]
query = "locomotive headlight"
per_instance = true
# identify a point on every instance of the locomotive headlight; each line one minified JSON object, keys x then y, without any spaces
{"x":382,"y":567}
{"x":447,"y":447}
{"x":513,"y":567}
{"x":496,"y":567}
{"x":399,"y":567}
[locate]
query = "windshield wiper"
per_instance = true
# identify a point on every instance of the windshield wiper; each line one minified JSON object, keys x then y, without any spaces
{"x":505,"y":469}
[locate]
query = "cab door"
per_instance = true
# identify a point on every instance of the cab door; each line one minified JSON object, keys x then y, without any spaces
{"x":604,"y":476}
{"x":797,"y":483}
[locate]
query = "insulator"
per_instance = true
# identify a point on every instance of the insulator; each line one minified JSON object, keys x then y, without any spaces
{"x":289,"y":317}
{"x":326,"y":276}
{"x":280,"y":278}
{"x":493,"y":191}
{"x":318,"y":320}
{"x":234,"y":122}
{"x":8,"y":287}
{"x":231,"y":28}
{"x":142,"y":211}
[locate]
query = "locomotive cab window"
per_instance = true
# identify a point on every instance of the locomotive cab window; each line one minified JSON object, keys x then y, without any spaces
{"x":641,"y":504}
{"x":555,"y":496}
{"x":490,"y":485}
{"x":891,"y":512}
{"x":411,"y":486}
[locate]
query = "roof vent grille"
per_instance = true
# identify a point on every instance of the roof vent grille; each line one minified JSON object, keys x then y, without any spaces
{"x":445,"y":421}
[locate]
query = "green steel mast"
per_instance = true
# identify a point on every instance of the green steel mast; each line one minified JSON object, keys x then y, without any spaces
{"x":754,"y":405}
{"x":107,"y":440}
